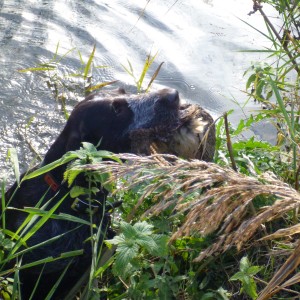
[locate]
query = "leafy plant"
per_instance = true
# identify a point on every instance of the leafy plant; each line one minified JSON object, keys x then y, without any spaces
{"x":245,"y":276}
{"x":252,"y":156}
{"x":276,"y":83}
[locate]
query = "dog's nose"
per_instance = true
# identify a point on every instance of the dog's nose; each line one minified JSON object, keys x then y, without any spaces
{"x":173,"y":96}
{"x":170,"y":96}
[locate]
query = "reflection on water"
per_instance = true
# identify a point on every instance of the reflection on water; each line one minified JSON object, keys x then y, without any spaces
{"x":198,"y":41}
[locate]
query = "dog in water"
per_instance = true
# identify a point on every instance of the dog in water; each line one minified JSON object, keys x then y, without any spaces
{"x":112,"y":121}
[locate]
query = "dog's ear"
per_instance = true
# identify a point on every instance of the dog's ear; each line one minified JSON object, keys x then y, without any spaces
{"x":73,"y":142}
{"x":121,"y":91}
{"x":121,"y":108}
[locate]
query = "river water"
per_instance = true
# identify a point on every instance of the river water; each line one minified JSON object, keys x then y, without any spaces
{"x":198,"y":41}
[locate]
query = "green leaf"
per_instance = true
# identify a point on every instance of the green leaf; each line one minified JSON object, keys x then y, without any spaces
{"x":7,"y":244}
{"x":259,"y":88}
{"x":250,"y":288}
{"x":253,"y":270}
{"x":44,"y":169}
{"x":125,"y":253}
{"x":13,"y":156}
{"x":250,"y":80}
{"x":238,"y":276}
{"x":50,"y":68}
{"x":143,"y":228}
{"x":244,"y":264}
{"x":87,"y":67}
{"x":154,"y":76}
{"x":100,"y":85}
{"x":128,"y":230}
{"x":118,"y":239}
{"x":77,"y":191}
{"x":147,"y":242}
{"x":162,"y":248}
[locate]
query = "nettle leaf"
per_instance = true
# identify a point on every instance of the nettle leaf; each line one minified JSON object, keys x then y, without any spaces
{"x":118,"y":239}
{"x":162,"y":248}
{"x":8,"y":244}
{"x":143,"y":228}
{"x":79,"y":190}
{"x":70,"y":175}
{"x":125,"y":253}
{"x":128,"y":230}
{"x":89,"y":147}
{"x":147,"y":242}
{"x":103,"y":178}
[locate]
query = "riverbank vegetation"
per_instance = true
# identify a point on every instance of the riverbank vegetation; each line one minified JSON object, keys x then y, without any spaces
{"x":191,"y":229}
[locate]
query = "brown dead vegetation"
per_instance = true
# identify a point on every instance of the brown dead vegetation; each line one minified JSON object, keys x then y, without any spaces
{"x":223,"y":205}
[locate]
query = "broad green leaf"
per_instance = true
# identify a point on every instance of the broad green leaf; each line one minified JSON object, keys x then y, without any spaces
{"x":128,"y":230}
{"x":253,"y":270}
{"x":238,"y":276}
{"x":244,"y":264}
{"x":143,"y":227}
{"x":77,"y":191}
{"x":124,"y":255}
{"x":147,"y":242}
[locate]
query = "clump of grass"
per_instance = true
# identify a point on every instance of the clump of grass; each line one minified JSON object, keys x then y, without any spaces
{"x":139,"y":81}
{"x":276,"y":84}
{"x":61,"y":85}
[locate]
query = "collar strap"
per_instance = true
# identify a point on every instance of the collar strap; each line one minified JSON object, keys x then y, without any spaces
{"x":51,"y":182}
{"x":78,"y":205}
{"x":81,"y":206}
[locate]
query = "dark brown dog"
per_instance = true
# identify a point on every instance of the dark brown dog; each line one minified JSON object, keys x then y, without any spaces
{"x":105,"y":120}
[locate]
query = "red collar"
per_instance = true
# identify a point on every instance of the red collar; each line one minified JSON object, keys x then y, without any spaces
{"x":51,"y":182}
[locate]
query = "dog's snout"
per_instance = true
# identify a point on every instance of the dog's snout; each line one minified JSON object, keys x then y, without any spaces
{"x":170,"y":96}
{"x":173,"y":96}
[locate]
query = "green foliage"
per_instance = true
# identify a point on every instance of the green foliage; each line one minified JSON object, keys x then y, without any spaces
{"x":149,"y":267}
{"x":6,"y":244}
{"x":245,"y":276}
{"x":251,"y":155}
{"x":261,"y":89}
{"x":145,"y":263}
{"x":276,"y":83}
{"x":219,"y":294}
{"x":132,"y":242}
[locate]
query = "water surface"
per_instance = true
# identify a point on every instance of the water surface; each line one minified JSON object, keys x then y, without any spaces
{"x":198,"y":41}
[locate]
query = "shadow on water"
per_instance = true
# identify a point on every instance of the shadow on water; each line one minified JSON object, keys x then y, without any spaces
{"x":192,"y":39}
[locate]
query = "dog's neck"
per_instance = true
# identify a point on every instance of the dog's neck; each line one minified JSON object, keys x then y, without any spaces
{"x":56,"y":151}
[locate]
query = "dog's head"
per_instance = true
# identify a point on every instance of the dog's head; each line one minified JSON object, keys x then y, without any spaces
{"x":110,"y":120}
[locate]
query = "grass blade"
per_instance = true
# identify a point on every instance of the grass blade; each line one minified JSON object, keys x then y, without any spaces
{"x":154,"y":76}
{"x":13,"y":156}
{"x":87,"y":68}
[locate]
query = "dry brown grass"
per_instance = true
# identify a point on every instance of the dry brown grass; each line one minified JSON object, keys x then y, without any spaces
{"x":223,"y":204}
